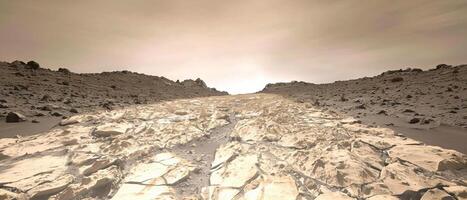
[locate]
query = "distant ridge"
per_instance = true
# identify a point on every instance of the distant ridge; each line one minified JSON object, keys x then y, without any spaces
{"x":406,"y":97}
{"x":33,"y":90}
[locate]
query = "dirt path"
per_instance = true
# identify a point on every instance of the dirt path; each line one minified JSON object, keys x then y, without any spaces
{"x":201,"y":151}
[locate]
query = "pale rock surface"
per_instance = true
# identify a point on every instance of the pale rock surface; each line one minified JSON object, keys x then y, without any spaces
{"x":430,"y":157}
{"x":111,"y":129}
{"x":383,"y":197}
{"x":436,"y":194}
{"x":460,"y":192}
{"x":258,"y":146}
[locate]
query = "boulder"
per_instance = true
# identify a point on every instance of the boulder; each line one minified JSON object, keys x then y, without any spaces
{"x":64,"y":70}
{"x":33,"y":65}
{"x":436,"y":194}
{"x":13,"y":117}
{"x":460,"y":192}
{"x":430,"y":157}
{"x":51,"y":188}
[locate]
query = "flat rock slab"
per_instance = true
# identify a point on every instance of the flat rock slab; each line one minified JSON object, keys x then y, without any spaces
{"x":270,"y":147}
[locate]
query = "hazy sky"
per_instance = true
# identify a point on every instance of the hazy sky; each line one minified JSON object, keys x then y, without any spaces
{"x":236,"y":45}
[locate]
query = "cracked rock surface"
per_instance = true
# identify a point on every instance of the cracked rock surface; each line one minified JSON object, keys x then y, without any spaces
{"x":259,"y":146}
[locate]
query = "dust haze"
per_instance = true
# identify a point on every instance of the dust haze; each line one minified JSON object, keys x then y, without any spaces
{"x":237,"y":46}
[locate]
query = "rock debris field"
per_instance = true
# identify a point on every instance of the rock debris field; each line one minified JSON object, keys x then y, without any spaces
{"x":258,"y":146}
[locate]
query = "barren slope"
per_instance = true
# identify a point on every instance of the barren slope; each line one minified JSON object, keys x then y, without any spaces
{"x":45,"y":96}
{"x":416,"y":98}
{"x":36,"y":92}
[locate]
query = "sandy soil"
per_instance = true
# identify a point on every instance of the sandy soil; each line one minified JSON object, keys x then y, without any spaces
{"x":445,"y":136}
{"x":10,"y":130}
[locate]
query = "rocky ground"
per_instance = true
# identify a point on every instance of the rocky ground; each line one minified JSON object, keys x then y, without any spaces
{"x":430,"y":106}
{"x":410,"y":98}
{"x":33,"y":92}
{"x":259,"y":146}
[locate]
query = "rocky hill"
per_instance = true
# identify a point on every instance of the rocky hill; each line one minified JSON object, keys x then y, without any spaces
{"x":410,"y":98}
{"x":33,"y":91}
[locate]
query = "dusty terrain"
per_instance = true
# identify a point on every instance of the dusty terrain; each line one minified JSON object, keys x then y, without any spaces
{"x":37,"y":92}
{"x":427,"y":105}
{"x":259,"y":146}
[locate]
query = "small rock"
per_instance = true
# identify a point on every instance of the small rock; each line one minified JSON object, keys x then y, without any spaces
{"x":397,"y":79}
{"x":45,"y":97}
{"x":408,"y":111}
{"x":343,"y":98}
{"x":64,"y":70}
{"x":414,"y":120}
{"x":56,"y":114}
{"x":70,"y":142}
{"x":68,"y":122}
{"x":181,"y":112}
{"x":74,"y":110}
{"x":382,"y":112}
{"x":361,"y":106}
{"x":35,"y":121}
{"x":39,"y":114}
{"x":13,"y":117}
{"x":45,"y":108}
{"x":351,"y":120}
